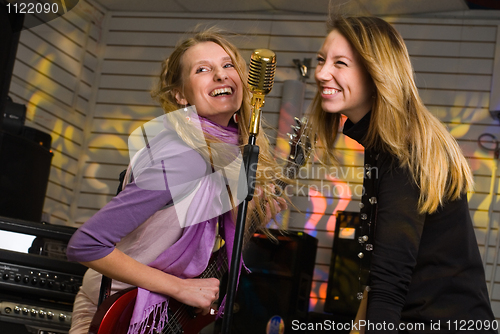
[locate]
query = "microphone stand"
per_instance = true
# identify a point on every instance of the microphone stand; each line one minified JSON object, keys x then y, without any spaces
{"x":250,"y":160}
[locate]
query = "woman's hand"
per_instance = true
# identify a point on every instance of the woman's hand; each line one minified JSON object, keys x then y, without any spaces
{"x":279,"y":205}
{"x":197,"y":292}
{"x":201,"y":293}
{"x":278,"y":202}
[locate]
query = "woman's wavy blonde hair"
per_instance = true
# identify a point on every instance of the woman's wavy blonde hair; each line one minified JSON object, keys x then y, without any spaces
{"x":400,"y":123}
{"x":171,"y":80}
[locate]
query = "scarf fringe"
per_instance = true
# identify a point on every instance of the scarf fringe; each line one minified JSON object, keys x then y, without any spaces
{"x":159,"y":314}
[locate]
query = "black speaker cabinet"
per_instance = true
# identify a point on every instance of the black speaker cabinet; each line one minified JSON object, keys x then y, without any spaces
{"x":279,"y":283}
{"x":343,"y":280}
{"x":11,"y":24}
{"x":24,"y":174}
{"x":37,"y":136}
{"x":14,"y":117}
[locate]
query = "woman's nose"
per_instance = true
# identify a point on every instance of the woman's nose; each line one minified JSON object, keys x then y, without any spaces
{"x":220,"y":75}
{"x":322,"y":73}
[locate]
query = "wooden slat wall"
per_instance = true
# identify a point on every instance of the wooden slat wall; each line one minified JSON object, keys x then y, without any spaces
{"x":453,"y":60}
{"x":53,"y":76}
{"x":135,"y":46}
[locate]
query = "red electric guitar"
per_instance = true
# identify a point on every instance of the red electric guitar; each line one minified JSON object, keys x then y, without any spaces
{"x":114,"y":314}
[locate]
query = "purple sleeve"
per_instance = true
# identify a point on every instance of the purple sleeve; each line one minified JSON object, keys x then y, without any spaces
{"x":132,"y":207}
{"x":123,"y":214}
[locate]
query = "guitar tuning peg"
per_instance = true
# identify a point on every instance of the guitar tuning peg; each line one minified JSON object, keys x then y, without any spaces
{"x":297,"y":120}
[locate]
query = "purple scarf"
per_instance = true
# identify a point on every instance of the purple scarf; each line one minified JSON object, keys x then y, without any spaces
{"x":189,"y":256}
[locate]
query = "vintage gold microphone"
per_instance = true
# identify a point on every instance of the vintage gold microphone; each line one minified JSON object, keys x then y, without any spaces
{"x":260,"y":82}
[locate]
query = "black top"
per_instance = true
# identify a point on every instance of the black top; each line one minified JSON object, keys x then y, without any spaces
{"x":425,"y":268}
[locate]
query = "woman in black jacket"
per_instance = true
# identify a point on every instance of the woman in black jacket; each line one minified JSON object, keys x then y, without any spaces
{"x":417,"y":242}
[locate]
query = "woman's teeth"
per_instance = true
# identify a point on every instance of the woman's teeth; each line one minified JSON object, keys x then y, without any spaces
{"x":220,"y":91}
{"x":330,"y":91}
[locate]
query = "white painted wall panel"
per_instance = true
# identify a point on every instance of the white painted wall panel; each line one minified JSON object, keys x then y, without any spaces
{"x":452,"y":65}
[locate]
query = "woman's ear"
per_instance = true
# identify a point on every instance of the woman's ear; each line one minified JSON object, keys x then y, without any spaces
{"x":179,"y":97}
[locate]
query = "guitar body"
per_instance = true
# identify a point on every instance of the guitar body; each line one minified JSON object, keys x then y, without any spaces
{"x":114,"y":314}
{"x":192,"y":322}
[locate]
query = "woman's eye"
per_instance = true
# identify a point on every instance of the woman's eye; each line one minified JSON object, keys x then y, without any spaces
{"x":228,"y":65}
{"x":341,"y":63}
{"x":201,"y":69}
{"x":320,"y":60}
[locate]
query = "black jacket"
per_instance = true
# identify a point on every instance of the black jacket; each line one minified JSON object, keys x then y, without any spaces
{"x":425,"y":268}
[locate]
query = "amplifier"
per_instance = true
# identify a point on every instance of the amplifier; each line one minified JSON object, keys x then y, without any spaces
{"x":44,"y":318}
{"x":279,"y":285}
{"x":343,"y":280}
{"x":33,"y":260}
{"x":37,"y":283}
{"x":50,"y":278}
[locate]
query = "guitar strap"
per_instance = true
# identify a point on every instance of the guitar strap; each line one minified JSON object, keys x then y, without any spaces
{"x":105,"y":290}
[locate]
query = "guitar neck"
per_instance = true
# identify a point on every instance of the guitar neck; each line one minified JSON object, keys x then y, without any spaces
{"x":297,"y":158}
{"x":217,"y":268}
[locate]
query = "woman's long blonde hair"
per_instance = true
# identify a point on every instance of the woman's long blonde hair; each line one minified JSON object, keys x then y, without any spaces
{"x":171,"y":80}
{"x":400,"y":123}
